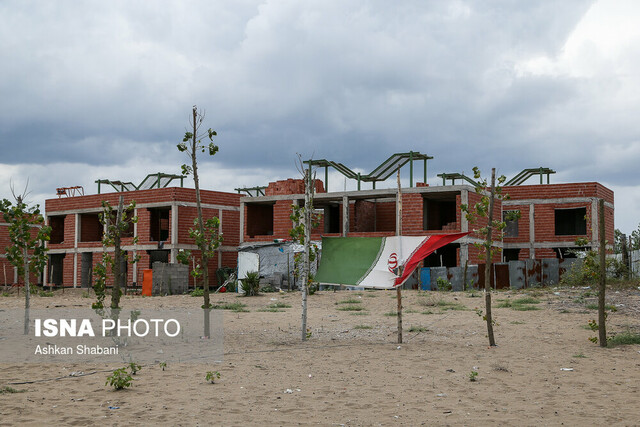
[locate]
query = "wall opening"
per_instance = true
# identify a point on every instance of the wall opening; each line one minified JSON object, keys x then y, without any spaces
{"x":56,"y":266}
{"x":446,"y":256}
{"x":332,"y":219}
{"x":439,"y":214}
{"x":571,"y":222}
{"x":510,"y":255}
{"x":158,"y":256}
{"x":86,"y":269}
{"x":159,"y":224}
{"x":90,"y":228}
{"x":56,"y":223}
{"x":511,"y":230}
{"x":259,"y":219}
{"x":571,"y":252}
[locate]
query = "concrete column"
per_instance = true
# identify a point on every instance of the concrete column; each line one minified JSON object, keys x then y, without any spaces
{"x":75,"y":252}
{"x":46,"y":265}
{"x":532,"y":231}
{"x":241,"y":222}
{"x":595,"y":238}
{"x":464,"y":253}
{"x":76,"y":233}
{"x":135,"y":252}
{"x":464,"y":222}
{"x":75,"y":269}
{"x":174,"y":234}
{"x":345,"y":216}
{"x":219,"y":251}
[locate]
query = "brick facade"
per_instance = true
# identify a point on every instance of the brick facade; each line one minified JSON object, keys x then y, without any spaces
{"x":433,"y":210}
{"x":74,"y":254}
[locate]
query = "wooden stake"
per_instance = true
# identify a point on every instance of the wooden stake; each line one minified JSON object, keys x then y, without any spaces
{"x":399,"y":233}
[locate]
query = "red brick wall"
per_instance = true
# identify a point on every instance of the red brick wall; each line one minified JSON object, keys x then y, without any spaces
{"x":365,"y":216}
{"x":412,"y":214}
{"x":544,"y":215}
{"x":231,"y":228}
{"x":291,"y":186}
{"x":480,"y":221}
{"x":282,"y":223}
{"x":386,"y":216}
{"x":143,"y":196}
{"x":554,"y":191}
{"x":478,"y":256}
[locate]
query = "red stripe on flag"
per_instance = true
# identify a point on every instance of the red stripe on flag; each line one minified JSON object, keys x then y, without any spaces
{"x":433,"y":242}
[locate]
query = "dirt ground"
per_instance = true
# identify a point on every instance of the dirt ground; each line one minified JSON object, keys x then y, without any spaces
{"x":351,"y":371}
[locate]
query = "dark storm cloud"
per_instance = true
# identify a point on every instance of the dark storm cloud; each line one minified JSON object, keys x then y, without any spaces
{"x":470,"y":83}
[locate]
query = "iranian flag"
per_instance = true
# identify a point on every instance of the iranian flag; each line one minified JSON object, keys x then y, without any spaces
{"x":376,"y":262}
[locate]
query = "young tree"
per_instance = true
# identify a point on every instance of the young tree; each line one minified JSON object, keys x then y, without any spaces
{"x":27,"y":251}
{"x":484,"y":209}
{"x":115,"y":223}
{"x":192,"y":144}
{"x":304,"y":220}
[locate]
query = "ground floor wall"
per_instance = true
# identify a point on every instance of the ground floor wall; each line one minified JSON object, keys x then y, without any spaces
{"x":76,"y":269}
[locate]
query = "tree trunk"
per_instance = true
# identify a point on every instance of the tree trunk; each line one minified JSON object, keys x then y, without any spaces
{"x":27,"y":291}
{"x":307,"y":243}
{"x":196,"y":180}
{"x":117,"y":257}
{"x":602,"y":327}
{"x":399,"y":233}
{"x":487,"y":267}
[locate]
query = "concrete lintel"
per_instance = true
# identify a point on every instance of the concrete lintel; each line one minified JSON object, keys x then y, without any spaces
{"x":362,"y":194}
{"x":166,"y":204}
{"x":562,"y":200}
{"x":540,"y":245}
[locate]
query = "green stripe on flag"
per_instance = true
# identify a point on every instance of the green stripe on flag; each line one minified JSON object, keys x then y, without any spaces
{"x":345,"y":260}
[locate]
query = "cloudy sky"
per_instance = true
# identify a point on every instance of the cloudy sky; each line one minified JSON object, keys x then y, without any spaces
{"x":100,"y":89}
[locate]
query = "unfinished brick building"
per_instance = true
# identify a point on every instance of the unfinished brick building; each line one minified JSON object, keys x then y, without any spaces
{"x":552,"y":217}
{"x":165,"y":216}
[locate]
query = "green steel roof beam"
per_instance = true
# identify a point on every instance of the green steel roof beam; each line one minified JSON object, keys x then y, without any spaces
{"x":528,"y":173}
{"x":454,"y":176}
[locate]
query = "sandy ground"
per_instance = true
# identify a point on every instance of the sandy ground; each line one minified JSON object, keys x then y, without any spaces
{"x":352,"y":371}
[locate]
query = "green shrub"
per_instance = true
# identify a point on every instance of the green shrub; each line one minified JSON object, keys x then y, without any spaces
{"x":351,"y":308}
{"x":624,"y":338}
{"x":526,"y":300}
{"x":349,"y":301}
{"x":236,"y":307}
{"x":197,"y":292}
{"x":10,"y":390}
{"x":119,"y":379}
{"x":443,"y":284}
{"x":251,"y":284}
